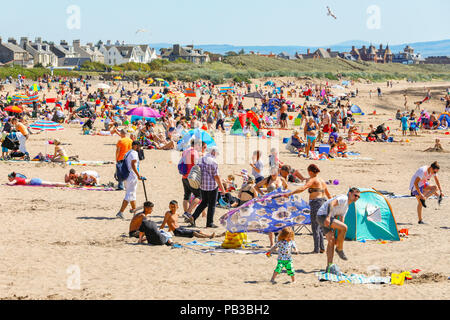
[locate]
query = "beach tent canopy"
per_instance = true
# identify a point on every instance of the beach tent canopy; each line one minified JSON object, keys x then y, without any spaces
{"x":371,"y":218}
{"x":254,"y":95}
{"x":270,"y":213}
{"x":239,"y":124}
{"x":345,"y":83}
{"x":269,"y":83}
{"x":144,"y":112}
{"x":446,"y":116}
{"x":356,"y":110}
{"x":190,"y":93}
{"x":197,"y":134}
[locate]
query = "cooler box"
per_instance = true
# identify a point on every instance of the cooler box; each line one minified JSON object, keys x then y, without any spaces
{"x":324,"y":148}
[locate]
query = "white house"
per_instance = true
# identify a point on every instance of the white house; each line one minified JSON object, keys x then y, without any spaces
{"x":120,"y":54}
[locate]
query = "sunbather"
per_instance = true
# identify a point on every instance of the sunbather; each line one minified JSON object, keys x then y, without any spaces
{"x":15,"y":180}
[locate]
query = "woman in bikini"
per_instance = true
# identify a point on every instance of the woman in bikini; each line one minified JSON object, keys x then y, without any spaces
{"x":60,"y":154}
{"x":310,"y":135}
{"x":318,"y":195}
{"x":341,"y":148}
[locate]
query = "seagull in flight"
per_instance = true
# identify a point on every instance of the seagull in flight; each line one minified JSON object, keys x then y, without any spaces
{"x":330,"y":13}
{"x":141,"y":30}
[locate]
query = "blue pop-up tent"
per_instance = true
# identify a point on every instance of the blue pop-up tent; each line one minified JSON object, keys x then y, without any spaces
{"x":356,"y":110}
{"x":197,"y":134}
{"x":371,"y":218}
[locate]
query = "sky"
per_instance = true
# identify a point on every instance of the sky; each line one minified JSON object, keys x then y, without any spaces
{"x":235,"y":22}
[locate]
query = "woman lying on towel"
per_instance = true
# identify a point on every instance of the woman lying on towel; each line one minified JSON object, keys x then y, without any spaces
{"x":15,"y":180}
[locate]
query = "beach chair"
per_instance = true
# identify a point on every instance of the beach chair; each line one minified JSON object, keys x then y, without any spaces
{"x":298,"y":229}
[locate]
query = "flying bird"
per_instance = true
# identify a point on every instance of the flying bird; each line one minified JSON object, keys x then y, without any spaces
{"x":141,"y":30}
{"x":330,"y":13}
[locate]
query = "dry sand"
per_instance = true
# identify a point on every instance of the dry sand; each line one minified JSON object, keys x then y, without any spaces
{"x":46,"y":231}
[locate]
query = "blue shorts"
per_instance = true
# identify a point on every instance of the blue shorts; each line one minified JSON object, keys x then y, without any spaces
{"x":415,"y":193}
{"x":35,"y":182}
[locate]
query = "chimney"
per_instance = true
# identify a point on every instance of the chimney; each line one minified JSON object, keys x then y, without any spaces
{"x":353,"y":48}
{"x":364,"y":47}
{"x":176,"y":49}
{"x":12,"y":40}
{"x":381,"y":47}
{"x":38,"y":40}
{"x":329,"y":50}
{"x":23,"y":42}
{"x":76,"y":43}
{"x":308,"y":51}
{"x":63,"y":43}
{"x":108,"y":43}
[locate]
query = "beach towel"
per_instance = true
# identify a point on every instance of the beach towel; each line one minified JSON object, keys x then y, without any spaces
{"x":353,"y":278}
{"x":105,"y":189}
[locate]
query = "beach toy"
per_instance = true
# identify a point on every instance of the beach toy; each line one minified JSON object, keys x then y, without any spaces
{"x":404,"y":231}
{"x":407,"y":141}
{"x":234,"y":240}
{"x":447,"y":133}
{"x":268,"y":254}
{"x":336,"y":182}
{"x":416,"y":271}
{"x":398,"y":279}
{"x":291,"y":118}
{"x":408,"y":275}
{"x":285,"y":140}
{"x":362,"y":241}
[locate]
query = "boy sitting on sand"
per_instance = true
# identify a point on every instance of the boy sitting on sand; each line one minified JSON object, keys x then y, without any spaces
{"x":171,"y":219}
{"x":141,"y":226}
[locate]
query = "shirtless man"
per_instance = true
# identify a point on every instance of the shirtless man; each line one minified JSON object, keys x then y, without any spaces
{"x":283,"y":116}
{"x":171,"y":220}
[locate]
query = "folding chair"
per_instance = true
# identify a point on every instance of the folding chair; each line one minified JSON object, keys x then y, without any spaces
{"x":299,"y":228}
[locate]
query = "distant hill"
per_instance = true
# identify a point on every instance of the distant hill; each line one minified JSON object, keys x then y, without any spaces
{"x":432,"y":48}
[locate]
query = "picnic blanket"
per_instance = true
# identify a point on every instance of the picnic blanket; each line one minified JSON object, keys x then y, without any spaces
{"x":69,"y":163}
{"x":353,"y":278}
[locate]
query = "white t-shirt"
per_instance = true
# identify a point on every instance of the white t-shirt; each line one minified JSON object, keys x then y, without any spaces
{"x":340,"y":210}
{"x":130,"y":156}
{"x":259,"y":165}
{"x":424,"y":176}
{"x":91,"y":173}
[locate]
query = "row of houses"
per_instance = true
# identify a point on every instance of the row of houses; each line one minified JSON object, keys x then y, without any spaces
{"x":28,"y":53}
{"x":369,"y":54}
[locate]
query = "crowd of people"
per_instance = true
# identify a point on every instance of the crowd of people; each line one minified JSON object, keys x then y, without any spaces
{"x":325,"y":118}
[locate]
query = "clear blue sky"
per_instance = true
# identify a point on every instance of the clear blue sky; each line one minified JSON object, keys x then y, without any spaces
{"x":236,"y":22}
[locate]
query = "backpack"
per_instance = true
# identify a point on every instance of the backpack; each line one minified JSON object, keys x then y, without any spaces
{"x":122,"y":170}
{"x":182,"y":167}
{"x":195,"y":177}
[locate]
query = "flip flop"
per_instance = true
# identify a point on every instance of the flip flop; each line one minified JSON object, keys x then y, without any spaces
{"x":423,"y":203}
{"x":440,"y":199}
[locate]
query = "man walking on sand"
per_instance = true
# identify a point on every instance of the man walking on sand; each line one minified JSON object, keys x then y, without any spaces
{"x":132,"y":162}
{"x":421,"y":189}
{"x":122,"y":148}
{"x":331,"y":217}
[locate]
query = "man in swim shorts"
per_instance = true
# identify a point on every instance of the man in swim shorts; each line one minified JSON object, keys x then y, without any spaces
{"x":171,"y":219}
{"x":421,"y":189}
{"x":331,"y":217}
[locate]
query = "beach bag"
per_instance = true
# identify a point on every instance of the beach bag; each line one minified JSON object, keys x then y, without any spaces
{"x":141,"y":155}
{"x":195,"y":177}
{"x":122,"y":171}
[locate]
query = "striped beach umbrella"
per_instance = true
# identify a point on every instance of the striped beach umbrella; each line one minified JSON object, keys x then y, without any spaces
{"x":31,"y":99}
{"x":14,"y":109}
{"x":46,"y":126}
{"x":19,"y":97}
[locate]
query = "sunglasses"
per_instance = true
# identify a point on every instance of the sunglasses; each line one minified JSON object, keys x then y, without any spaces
{"x":357,"y":196}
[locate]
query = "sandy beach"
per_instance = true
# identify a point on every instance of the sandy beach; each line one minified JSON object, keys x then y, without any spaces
{"x":50,"y":233}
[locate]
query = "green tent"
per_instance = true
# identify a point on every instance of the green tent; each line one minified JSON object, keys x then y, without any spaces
{"x":371,"y":218}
